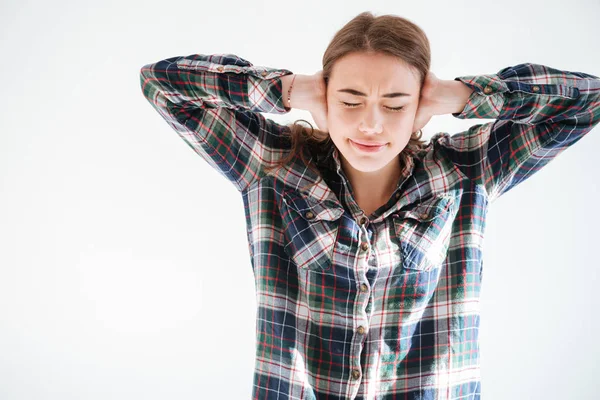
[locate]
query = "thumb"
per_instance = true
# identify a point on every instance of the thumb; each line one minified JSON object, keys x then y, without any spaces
{"x":321,"y":122}
{"x":422,"y":117}
{"x":320,"y":118}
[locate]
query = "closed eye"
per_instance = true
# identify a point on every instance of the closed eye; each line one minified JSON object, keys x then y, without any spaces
{"x":354,"y":105}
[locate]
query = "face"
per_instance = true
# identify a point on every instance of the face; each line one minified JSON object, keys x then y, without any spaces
{"x":371,"y":98}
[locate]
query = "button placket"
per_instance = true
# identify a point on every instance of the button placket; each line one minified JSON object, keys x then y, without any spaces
{"x":364,"y":246}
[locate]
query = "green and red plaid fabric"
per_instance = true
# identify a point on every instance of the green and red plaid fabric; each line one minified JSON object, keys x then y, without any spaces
{"x":385,"y":306}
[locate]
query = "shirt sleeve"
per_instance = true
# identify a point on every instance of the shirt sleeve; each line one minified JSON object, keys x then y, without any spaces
{"x":213,"y":102}
{"x":539,"y":112}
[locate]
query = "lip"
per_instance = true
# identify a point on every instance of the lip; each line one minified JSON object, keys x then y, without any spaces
{"x":368,"y":149}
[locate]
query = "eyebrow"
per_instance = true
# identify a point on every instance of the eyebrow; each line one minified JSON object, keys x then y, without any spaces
{"x":387,"y":95}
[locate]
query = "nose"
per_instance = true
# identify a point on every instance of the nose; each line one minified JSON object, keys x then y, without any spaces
{"x":371,"y":122}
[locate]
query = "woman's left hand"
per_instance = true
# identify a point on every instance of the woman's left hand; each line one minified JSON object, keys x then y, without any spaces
{"x":427,"y":102}
{"x":439,"y":97}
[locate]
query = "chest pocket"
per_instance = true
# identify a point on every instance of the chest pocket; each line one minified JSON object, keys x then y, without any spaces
{"x":424,"y":230}
{"x":311,"y":230}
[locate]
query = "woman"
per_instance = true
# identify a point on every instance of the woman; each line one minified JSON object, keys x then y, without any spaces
{"x":366,"y":241}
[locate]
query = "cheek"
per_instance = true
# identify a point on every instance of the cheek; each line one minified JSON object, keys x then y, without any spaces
{"x":402,"y":138}
{"x":341,"y":122}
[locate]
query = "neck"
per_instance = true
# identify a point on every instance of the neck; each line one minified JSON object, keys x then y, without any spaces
{"x":373,"y":189}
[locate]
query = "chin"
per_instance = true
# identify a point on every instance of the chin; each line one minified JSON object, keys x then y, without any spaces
{"x":372,"y":167}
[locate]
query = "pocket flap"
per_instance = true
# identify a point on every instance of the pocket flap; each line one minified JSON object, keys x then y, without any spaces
{"x":429,"y":209}
{"x":312,"y":210}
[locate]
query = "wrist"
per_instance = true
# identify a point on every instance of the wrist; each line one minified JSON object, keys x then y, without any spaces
{"x":302,"y":94}
{"x":451,"y":96}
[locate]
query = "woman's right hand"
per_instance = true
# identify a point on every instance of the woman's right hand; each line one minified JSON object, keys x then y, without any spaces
{"x":309,"y":94}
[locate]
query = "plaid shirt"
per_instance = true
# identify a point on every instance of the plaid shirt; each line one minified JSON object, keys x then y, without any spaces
{"x":381,"y":306}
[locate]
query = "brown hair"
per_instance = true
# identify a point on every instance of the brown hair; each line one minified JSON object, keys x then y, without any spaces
{"x":387,"y":34}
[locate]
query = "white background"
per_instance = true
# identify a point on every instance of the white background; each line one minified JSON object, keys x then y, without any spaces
{"x":124,"y":269}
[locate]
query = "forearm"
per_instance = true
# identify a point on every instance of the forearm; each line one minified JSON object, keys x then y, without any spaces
{"x":212,"y":81}
{"x":531,"y":94}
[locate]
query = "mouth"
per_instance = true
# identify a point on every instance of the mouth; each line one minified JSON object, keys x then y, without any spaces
{"x":368,"y":148}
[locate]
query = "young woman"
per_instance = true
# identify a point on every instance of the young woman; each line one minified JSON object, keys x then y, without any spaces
{"x":366,"y":241}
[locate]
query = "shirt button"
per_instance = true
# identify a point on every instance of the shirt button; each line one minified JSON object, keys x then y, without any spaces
{"x":355,"y":374}
{"x":424,"y":216}
{"x":487,"y":90}
{"x":264,"y":73}
{"x":364,"y":246}
{"x":363,"y":287}
{"x":361,"y":330}
{"x":398,"y":195}
{"x":310,"y":215}
{"x":536,"y":88}
{"x":363,"y":220}
{"x":220,"y":69}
